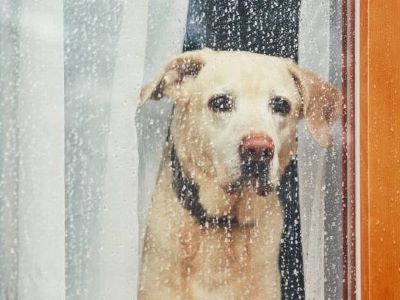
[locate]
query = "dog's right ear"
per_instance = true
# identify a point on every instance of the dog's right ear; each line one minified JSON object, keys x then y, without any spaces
{"x":169,"y":81}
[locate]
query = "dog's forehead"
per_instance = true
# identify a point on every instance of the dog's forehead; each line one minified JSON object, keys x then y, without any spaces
{"x":246,"y":72}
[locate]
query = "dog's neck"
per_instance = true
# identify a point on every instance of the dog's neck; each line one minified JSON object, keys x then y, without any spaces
{"x":187,"y":192}
{"x":243,"y":209}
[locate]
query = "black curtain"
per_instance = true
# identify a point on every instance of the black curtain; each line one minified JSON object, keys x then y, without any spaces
{"x":268,"y":27}
{"x":272,"y":28}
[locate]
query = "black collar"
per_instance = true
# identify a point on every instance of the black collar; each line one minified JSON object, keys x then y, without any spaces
{"x":187,"y":192}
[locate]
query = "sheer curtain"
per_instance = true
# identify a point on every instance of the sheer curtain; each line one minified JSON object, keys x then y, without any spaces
{"x":72,"y":192}
{"x":70,"y":78}
{"x":68,"y":182}
{"x":320,"y":170}
{"x":32,"y":210}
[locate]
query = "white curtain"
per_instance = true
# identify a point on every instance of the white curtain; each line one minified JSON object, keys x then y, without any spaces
{"x":70,"y":78}
{"x":73,"y":197}
{"x":32,"y":210}
{"x":320,"y":170}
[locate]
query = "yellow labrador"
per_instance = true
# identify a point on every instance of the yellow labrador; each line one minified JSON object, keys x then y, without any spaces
{"x":215,"y":225}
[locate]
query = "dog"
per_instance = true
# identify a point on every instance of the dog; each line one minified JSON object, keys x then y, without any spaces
{"x":215,"y":225}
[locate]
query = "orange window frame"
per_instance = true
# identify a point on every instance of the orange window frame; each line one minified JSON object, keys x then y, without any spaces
{"x":380,"y":149}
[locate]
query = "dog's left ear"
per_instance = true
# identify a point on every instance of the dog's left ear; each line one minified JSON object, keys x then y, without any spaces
{"x":322,"y":103}
{"x":169,"y":81}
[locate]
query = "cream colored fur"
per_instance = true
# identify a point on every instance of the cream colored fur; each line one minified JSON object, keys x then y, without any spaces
{"x":183,"y":260}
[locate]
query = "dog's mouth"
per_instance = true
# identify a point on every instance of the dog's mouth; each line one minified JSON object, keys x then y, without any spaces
{"x":255,"y":174}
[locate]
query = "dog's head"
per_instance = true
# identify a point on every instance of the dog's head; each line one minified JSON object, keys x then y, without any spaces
{"x":236,"y":114}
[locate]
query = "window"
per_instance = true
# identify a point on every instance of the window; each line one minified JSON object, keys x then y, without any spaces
{"x":80,"y":159}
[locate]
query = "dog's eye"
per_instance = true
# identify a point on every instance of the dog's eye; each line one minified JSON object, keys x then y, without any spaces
{"x":280,"y":105}
{"x":221,"y":103}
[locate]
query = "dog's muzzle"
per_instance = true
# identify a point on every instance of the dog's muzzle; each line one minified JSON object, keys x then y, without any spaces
{"x":256,"y":152}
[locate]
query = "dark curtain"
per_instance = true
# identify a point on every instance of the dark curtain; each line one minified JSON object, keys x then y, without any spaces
{"x":272,"y":28}
{"x":268,"y":27}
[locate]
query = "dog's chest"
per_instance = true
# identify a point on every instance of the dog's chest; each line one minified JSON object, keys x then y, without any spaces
{"x":229,"y":264}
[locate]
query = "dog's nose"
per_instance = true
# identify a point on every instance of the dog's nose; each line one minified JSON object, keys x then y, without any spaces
{"x":257,"y":147}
